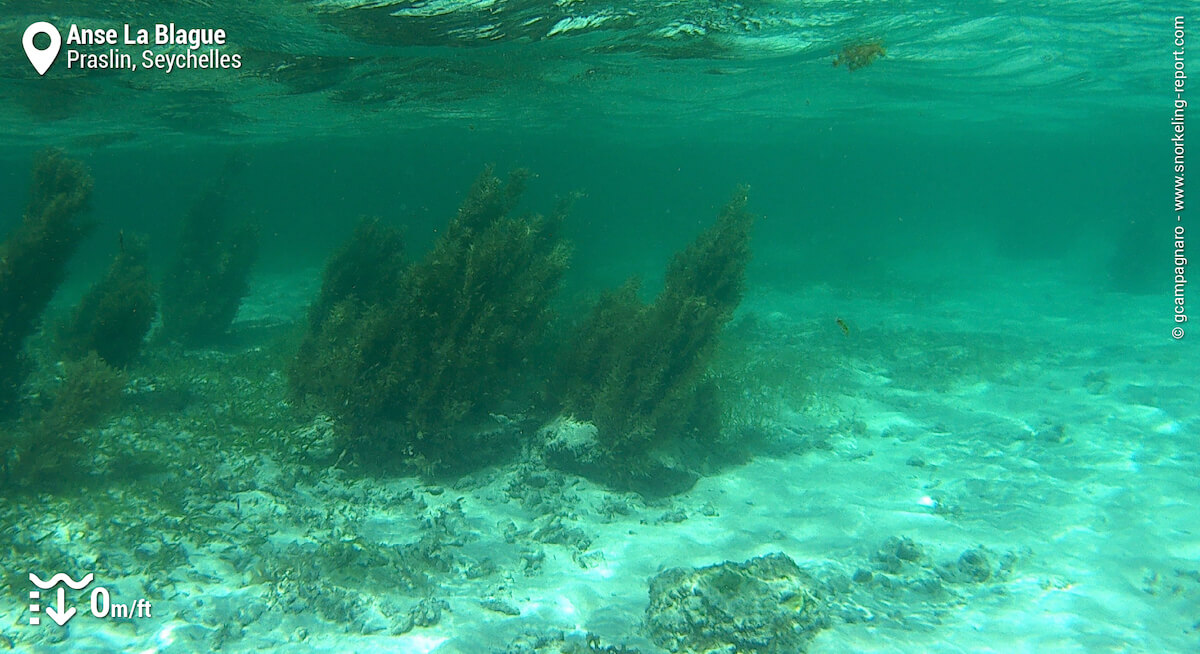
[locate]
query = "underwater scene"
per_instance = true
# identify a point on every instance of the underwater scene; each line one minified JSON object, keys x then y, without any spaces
{"x":581,"y":327}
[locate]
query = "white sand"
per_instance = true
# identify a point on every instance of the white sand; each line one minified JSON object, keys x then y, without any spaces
{"x":1041,"y":422}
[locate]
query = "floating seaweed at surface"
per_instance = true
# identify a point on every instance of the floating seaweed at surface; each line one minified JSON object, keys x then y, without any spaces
{"x":859,"y":54}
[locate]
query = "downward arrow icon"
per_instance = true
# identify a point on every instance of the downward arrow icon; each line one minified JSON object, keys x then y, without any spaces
{"x":63,"y":614}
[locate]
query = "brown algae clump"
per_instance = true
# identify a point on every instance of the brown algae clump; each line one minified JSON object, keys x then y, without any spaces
{"x":860,"y":54}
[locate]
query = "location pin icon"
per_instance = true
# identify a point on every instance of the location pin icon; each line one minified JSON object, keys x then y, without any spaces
{"x":41,"y":59}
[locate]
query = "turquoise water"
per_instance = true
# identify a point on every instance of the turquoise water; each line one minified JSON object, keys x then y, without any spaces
{"x":947,"y":391}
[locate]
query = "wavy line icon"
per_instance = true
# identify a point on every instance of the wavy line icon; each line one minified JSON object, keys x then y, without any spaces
{"x":61,"y":578}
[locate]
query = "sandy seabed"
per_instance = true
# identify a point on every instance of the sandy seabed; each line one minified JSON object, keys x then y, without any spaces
{"x":1050,"y":436}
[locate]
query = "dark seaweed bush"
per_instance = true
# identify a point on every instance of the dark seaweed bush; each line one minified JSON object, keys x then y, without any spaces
{"x":415,"y":356}
{"x":48,"y":443}
{"x":114,"y":316}
{"x":33,"y":260}
{"x":210,"y":275}
{"x":638,"y":371}
{"x":366,"y":270}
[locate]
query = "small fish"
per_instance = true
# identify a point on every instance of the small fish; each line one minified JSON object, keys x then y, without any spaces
{"x":845,"y":328}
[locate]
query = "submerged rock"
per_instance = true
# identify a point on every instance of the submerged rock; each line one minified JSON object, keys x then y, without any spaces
{"x":574,"y":447}
{"x":766,"y":605}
